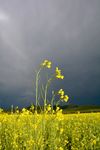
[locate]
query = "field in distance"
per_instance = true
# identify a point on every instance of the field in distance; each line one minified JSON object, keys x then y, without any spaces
{"x":81,"y":109}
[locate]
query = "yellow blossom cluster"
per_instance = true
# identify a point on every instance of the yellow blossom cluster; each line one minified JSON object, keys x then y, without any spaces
{"x":62,"y":96}
{"x":49,"y":107}
{"x":58,"y":74}
{"x":46,"y":63}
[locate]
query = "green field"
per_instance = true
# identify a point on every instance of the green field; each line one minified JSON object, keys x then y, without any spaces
{"x":81,"y":109}
{"x":27,"y":131}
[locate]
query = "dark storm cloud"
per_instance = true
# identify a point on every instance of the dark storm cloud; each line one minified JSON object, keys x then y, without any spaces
{"x":67,"y":32}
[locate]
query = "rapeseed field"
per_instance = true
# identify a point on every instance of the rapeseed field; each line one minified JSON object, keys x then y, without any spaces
{"x":25,"y":131}
{"x":48,"y":129}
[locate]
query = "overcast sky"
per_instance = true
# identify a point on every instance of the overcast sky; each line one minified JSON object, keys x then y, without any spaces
{"x":66,"y":32}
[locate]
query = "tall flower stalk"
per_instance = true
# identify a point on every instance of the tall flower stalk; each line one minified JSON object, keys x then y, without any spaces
{"x":46,"y":91}
{"x":57,"y":75}
{"x":37,"y":80}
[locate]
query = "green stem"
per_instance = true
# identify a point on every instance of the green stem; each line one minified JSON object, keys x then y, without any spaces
{"x":45,"y":92}
{"x":57,"y":103}
{"x":37,"y":78}
{"x":52,"y":100}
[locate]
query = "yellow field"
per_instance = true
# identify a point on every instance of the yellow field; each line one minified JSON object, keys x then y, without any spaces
{"x":26,"y":131}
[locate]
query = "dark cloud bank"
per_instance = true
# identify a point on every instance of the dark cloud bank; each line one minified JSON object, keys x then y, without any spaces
{"x":67,"y":32}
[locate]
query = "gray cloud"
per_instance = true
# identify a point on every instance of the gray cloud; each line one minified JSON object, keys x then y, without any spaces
{"x":67,"y":32}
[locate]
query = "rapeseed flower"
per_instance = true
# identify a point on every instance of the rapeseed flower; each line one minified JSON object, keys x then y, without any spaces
{"x":66,"y":98}
{"x":61,"y":148}
{"x":49,"y":107}
{"x":61,"y":92}
{"x":61,"y":130}
{"x":94,"y":142}
{"x":46,"y":63}
{"x":62,"y":96}
{"x":58,"y":108}
{"x":58,"y":74}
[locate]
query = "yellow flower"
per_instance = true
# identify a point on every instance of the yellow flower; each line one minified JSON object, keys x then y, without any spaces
{"x":66,"y":98}
{"x":61,"y":92}
{"x":46,"y":63}
{"x":30,"y":142}
{"x":94,"y":142}
{"x":23,"y":110}
{"x":58,"y":74}
{"x":62,"y":97}
{"x":61,"y":148}
{"x":61,"y":130}
{"x":49,"y":64}
{"x":57,"y":70}
{"x":62,"y":77}
{"x":58,"y":108}
{"x":49,"y":107}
